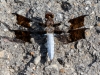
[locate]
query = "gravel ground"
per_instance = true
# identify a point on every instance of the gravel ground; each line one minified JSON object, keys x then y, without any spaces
{"x":78,"y":58}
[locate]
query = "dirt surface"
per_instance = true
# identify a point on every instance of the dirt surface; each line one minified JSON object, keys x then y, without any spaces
{"x":77,"y":58}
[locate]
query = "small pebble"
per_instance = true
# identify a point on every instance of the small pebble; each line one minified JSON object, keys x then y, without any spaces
{"x":88,"y":2}
{"x":16,"y":46}
{"x":61,"y":61}
{"x":18,"y":1}
{"x":98,"y":24}
{"x":59,"y":17}
{"x":11,"y":70}
{"x":88,"y":33}
{"x":66,"y":6}
{"x":5,"y":30}
{"x":87,"y":8}
{"x":32,"y":53}
{"x":98,"y":18}
{"x":34,"y":68}
{"x":37,"y":59}
{"x":54,"y":66}
{"x":62,"y":70}
{"x":2,"y":53}
{"x":21,"y":11}
{"x":2,"y":1}
{"x":72,"y":46}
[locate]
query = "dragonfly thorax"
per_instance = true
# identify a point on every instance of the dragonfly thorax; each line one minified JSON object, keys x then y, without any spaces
{"x":49,"y":29}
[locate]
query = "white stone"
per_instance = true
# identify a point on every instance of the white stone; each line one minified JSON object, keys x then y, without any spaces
{"x":59,"y":17}
{"x":86,"y":8}
{"x":5,"y":29}
{"x":92,"y":13}
{"x":37,"y":59}
{"x":2,"y":1}
{"x":54,"y":66}
{"x":16,"y":46}
{"x":5,"y":72}
{"x":21,"y":11}
{"x":91,"y":27}
{"x":88,"y":2}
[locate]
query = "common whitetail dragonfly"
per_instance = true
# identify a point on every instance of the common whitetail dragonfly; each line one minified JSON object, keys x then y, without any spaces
{"x":51,"y":28}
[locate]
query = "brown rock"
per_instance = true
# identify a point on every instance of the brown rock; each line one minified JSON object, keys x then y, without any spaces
{"x":32,"y":53}
{"x":98,"y":24}
{"x":88,"y":33}
{"x":2,"y":53}
{"x":62,"y":70}
{"x":72,"y":46}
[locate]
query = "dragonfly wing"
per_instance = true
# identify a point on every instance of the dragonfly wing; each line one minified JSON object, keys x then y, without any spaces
{"x":78,"y":34}
{"x":22,"y":35}
{"x":23,"y":21}
{"x":77,"y":22}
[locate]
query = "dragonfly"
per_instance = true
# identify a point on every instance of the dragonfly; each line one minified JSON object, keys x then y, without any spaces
{"x":50,"y":30}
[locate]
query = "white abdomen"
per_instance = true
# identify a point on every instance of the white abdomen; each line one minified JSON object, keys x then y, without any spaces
{"x":50,"y":45}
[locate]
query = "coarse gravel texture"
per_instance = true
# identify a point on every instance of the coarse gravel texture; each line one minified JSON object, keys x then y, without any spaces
{"x":78,"y":58}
